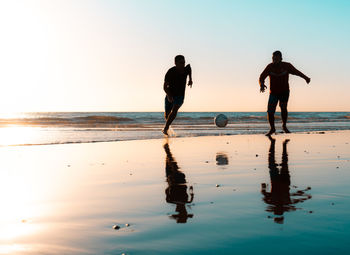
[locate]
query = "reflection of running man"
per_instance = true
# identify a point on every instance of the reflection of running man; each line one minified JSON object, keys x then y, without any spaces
{"x":176,"y":192}
{"x":280,"y":200}
{"x":278,"y":72}
{"x":174,"y":87}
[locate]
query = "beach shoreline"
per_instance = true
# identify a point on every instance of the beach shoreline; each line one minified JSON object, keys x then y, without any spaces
{"x":79,"y":127}
{"x":172,"y":135}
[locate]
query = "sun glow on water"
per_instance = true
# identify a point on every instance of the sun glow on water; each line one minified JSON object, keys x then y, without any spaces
{"x":18,"y":206}
{"x":9,"y":249}
{"x":18,"y":135}
{"x":11,"y":115}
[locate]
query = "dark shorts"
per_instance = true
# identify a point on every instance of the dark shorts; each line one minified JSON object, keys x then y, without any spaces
{"x":178,"y":100}
{"x":274,"y":98}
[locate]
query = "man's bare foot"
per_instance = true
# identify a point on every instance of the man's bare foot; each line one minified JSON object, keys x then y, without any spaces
{"x":285,"y":129}
{"x":272,"y":130}
{"x":165,"y":131}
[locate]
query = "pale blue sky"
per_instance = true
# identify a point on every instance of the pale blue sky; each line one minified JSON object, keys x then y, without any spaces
{"x":112,"y":55}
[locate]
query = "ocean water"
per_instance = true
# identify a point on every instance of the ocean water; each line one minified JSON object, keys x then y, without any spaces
{"x":82,"y":127}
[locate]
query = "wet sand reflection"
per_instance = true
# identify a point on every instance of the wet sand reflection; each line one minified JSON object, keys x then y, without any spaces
{"x":279,"y":199}
{"x":221,"y":159}
{"x":176,"y":192}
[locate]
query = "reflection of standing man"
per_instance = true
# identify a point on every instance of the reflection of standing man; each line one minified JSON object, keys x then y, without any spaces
{"x":280,"y":200}
{"x":174,"y":87}
{"x":176,"y":192}
{"x":278,"y":72}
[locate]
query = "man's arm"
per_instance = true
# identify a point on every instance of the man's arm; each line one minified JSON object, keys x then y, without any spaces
{"x":166,"y":86}
{"x":167,"y":90}
{"x":295,"y":71}
{"x":262,"y":78}
{"x":189,"y":72}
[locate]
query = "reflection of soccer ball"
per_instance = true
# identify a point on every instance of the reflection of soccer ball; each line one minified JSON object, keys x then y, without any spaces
{"x":221,"y":120}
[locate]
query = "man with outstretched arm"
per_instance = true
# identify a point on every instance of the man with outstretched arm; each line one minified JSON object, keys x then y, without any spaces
{"x":278,"y":72}
{"x":174,"y":87}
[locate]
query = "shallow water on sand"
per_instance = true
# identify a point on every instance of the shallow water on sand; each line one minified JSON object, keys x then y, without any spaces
{"x":242,"y":194}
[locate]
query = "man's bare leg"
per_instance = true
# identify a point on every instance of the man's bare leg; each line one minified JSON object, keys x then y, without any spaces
{"x":284,"y":115}
{"x":166,"y":114}
{"x":170,"y":118}
{"x":271,"y":119}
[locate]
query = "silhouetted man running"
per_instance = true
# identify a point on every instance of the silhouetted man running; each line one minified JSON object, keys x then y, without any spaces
{"x":174,"y":87}
{"x":278,"y":72}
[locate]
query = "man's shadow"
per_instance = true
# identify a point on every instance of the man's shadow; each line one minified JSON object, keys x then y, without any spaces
{"x":176,"y":192}
{"x":279,"y":199}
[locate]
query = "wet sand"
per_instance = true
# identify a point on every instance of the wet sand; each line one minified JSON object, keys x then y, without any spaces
{"x":244,"y":194}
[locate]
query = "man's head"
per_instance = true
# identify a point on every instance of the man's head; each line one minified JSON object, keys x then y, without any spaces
{"x":276,"y":57}
{"x":180,"y":61}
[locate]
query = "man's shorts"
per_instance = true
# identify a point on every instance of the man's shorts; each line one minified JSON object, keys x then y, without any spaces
{"x":178,"y":100}
{"x":274,"y":98}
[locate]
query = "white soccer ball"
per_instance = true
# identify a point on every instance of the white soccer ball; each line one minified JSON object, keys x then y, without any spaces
{"x":221,"y":120}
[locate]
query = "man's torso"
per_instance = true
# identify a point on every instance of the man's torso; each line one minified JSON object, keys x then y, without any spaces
{"x":177,"y":81}
{"x":279,"y":76}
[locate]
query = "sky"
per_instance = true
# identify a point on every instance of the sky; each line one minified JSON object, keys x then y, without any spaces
{"x":70,"y":55}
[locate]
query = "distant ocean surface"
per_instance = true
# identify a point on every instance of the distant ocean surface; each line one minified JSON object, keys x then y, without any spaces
{"x":82,"y":127}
